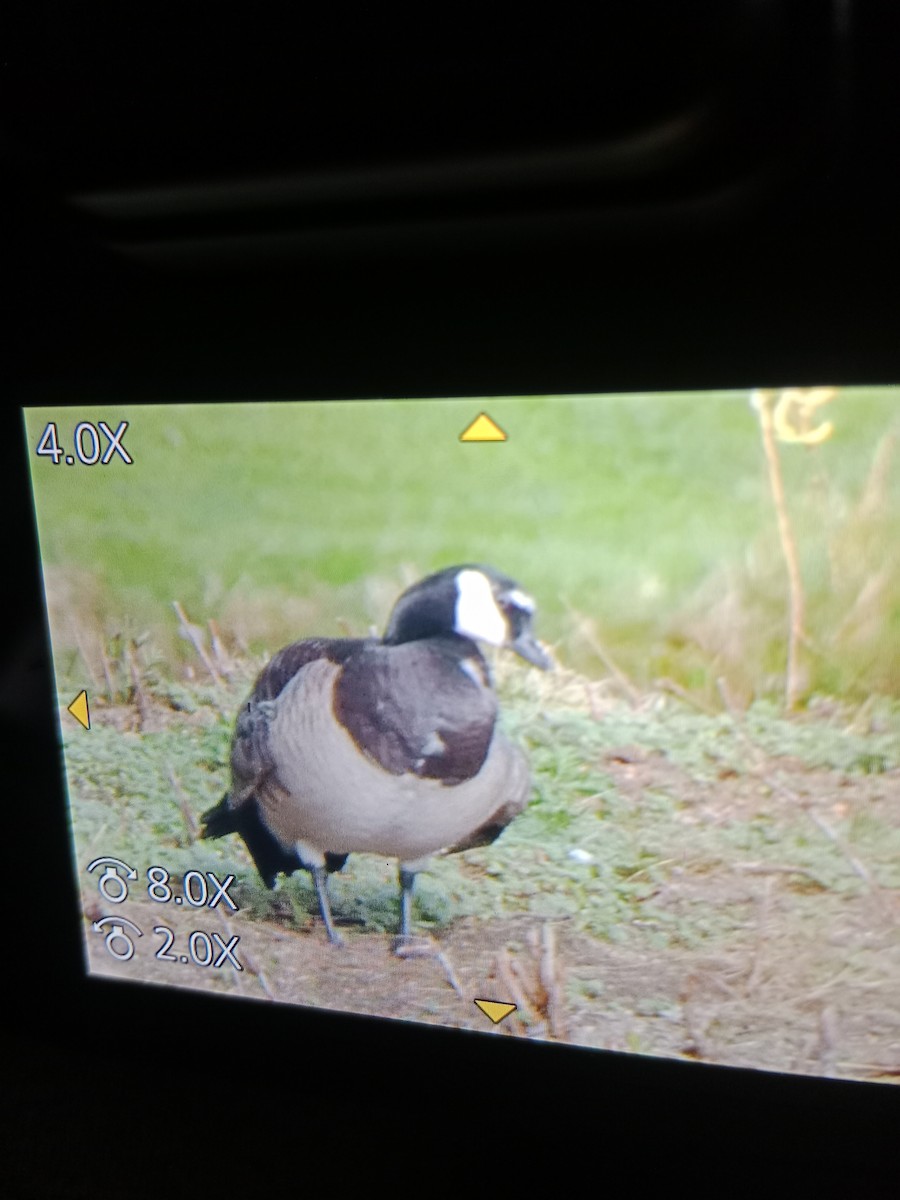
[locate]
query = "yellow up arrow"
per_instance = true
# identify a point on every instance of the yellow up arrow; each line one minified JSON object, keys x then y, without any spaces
{"x":79,"y":710}
{"x":482,"y":429}
{"x":496,"y":1010}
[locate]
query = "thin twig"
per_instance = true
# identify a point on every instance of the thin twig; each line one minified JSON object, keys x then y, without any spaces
{"x":871,"y":1071}
{"x":654,"y":866}
{"x":137,"y":690}
{"x":588,"y":630}
{"x":777,"y":869}
{"x":675,"y":689}
{"x":187,"y":814}
{"x":828,"y":1037}
{"x":764,"y":904}
{"x":859,"y":868}
{"x":220,"y":654}
{"x":550,"y":981}
{"x":194,"y":636}
{"x":530,"y":985}
{"x":450,"y":973}
{"x":764,"y":407}
{"x":867,"y":596}
{"x":698,"y":1045}
{"x":876,"y":485}
{"x":512,"y":989}
{"x":112,"y":690}
{"x":249,"y":962}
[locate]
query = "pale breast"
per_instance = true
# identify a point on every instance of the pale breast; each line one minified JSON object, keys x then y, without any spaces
{"x":325,"y":792}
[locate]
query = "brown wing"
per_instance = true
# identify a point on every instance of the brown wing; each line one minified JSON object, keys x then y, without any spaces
{"x":420,"y":708}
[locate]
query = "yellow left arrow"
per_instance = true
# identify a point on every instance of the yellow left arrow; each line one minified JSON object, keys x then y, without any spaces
{"x":79,"y":710}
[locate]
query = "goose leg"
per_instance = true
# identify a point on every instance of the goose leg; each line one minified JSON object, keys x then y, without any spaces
{"x":404,"y":943}
{"x":407,"y":880}
{"x":320,"y":879}
{"x":407,"y":946}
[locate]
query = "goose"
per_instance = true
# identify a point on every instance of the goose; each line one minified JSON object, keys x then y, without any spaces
{"x":386,"y":746}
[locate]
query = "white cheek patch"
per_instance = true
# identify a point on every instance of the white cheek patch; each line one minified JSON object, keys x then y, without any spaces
{"x":477,"y":614}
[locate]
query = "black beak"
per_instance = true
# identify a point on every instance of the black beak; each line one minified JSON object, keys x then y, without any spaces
{"x":526,"y":647}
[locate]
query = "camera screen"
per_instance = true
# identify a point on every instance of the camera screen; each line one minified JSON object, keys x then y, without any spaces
{"x":572,"y":718}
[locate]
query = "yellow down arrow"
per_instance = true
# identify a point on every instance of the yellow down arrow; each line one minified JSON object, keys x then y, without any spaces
{"x":79,"y":710}
{"x":496,"y":1010}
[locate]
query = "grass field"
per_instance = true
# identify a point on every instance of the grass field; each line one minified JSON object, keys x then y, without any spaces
{"x":698,"y":874}
{"x":643,"y":524}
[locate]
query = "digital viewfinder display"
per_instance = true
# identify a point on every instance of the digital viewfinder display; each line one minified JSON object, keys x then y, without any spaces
{"x":573,"y":718}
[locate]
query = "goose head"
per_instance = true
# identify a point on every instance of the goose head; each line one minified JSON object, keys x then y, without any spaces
{"x":472,"y":601}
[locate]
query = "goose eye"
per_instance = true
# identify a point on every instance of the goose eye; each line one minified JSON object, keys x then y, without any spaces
{"x":516,"y":601}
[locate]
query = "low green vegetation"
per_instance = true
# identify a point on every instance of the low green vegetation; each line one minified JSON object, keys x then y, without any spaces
{"x":625,"y":804}
{"x":679,"y":818}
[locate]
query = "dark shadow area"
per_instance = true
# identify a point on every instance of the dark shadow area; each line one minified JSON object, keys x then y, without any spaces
{"x":673,"y":203}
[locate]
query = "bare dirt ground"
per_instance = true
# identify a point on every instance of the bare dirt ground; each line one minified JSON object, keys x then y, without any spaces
{"x":808,"y":983}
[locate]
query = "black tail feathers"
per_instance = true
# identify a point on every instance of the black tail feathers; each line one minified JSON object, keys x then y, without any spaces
{"x":219,"y":820}
{"x":266,"y":850}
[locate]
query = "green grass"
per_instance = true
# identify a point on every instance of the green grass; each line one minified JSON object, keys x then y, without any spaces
{"x":660,"y":812}
{"x":706,"y":808}
{"x":650,"y":515}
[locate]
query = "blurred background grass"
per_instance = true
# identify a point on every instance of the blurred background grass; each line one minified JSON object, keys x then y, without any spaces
{"x":643,"y":525}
